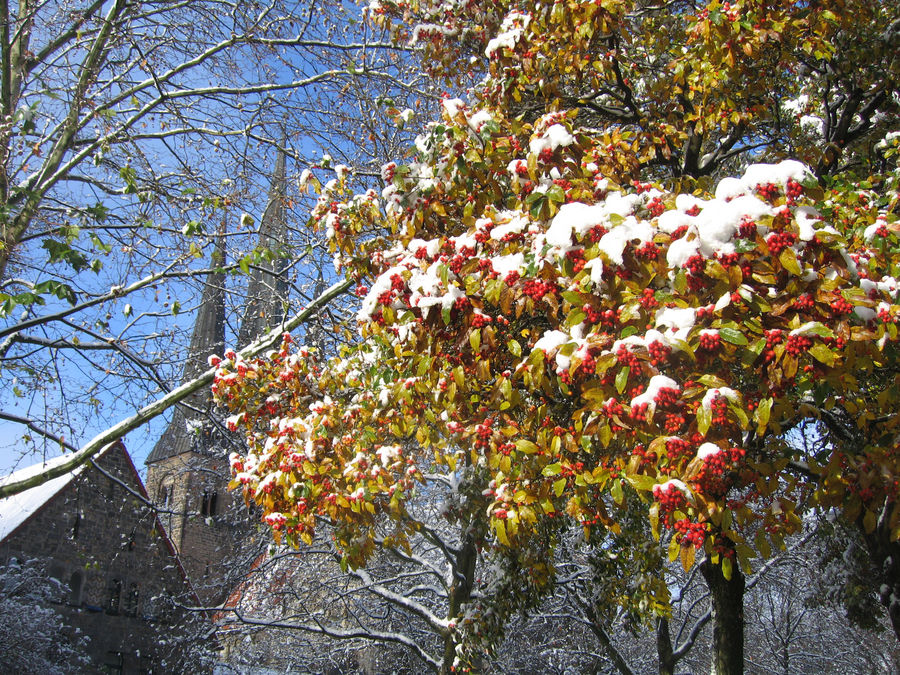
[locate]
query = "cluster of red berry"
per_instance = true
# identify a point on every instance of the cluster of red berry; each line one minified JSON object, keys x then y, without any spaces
{"x":612,"y":408}
{"x":667,"y":397}
{"x":649,"y":251}
{"x":639,"y":412}
{"x":655,"y":207}
{"x":626,"y":358}
{"x":747,"y":229}
{"x":710,"y":341}
{"x":506,"y":448}
{"x":479,"y":320}
{"x":605,"y":317}
{"x":577,"y":257}
{"x":797,"y":345}
{"x":536,"y":290}
{"x":589,"y":363}
{"x":768,"y":191}
{"x":773,"y":337}
{"x":794,"y":191}
{"x":841,"y":305}
{"x":778,"y":241}
{"x":483,"y":433}
{"x":692,"y":534}
{"x":719,"y":408}
{"x":596,"y":233}
{"x":674,"y":423}
{"x":695,"y":264}
{"x":677,"y":448}
{"x":648,"y":299}
{"x":659,"y":353}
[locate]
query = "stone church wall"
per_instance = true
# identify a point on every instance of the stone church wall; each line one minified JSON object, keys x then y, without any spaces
{"x":122,"y":575}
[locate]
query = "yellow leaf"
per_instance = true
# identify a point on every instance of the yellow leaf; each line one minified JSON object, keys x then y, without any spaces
{"x":559,"y":486}
{"x":687,"y":557}
{"x":500,"y":529}
{"x":726,"y":568}
{"x":869,"y":521}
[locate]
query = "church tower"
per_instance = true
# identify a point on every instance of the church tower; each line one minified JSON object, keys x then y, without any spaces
{"x":187,"y":470}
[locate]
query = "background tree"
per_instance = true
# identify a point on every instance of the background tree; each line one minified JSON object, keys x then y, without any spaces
{"x":131,"y":134}
{"x":34,"y":636}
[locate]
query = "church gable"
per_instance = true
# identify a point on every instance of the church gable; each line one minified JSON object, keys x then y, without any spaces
{"x":95,"y":532}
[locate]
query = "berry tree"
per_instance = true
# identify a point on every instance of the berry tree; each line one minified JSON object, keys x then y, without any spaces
{"x":548,"y":302}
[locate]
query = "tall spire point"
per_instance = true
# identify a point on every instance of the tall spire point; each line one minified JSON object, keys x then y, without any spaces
{"x":267,"y":288}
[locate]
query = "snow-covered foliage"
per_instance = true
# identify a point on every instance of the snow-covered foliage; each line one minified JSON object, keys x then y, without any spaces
{"x":34,"y":636}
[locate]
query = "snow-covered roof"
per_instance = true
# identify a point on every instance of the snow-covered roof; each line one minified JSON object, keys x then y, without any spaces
{"x":17,"y":509}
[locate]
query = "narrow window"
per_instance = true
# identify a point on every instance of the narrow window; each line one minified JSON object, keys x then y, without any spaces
{"x":208,"y":503}
{"x":129,"y":543}
{"x":76,"y":523}
{"x":115,"y":597}
{"x":164,"y":498}
{"x":76,"y":582}
{"x":131,"y":602}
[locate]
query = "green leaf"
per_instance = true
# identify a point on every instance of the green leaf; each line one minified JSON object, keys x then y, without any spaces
{"x":641,"y":482}
{"x":557,"y":194}
{"x":622,"y":379}
{"x":576,"y":316}
{"x":761,"y":415}
{"x":500,"y":529}
{"x":615,"y":490}
{"x":674,"y":549}
{"x":654,"y":520}
{"x":704,"y":419}
{"x":551,"y":469}
{"x":514,"y":348}
{"x":459,"y":376}
{"x":733,"y":336}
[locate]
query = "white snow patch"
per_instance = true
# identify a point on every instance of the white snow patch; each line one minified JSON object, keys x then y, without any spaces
{"x":708,"y":450}
{"x":556,"y":136}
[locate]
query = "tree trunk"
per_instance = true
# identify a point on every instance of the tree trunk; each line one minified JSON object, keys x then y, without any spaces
{"x":460,"y":593}
{"x":727,"y":597}
{"x":664,"y":647}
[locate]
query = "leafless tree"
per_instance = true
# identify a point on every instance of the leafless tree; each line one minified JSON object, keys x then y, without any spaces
{"x":131,"y":133}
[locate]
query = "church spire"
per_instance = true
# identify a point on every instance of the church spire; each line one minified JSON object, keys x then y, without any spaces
{"x":267,"y":288}
{"x":207,"y":338}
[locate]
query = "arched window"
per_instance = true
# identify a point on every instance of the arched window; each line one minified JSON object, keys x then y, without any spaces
{"x":76,"y":583}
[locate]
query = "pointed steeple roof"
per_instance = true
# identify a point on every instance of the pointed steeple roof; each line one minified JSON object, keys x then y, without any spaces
{"x":268,"y":287}
{"x":207,"y":338}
